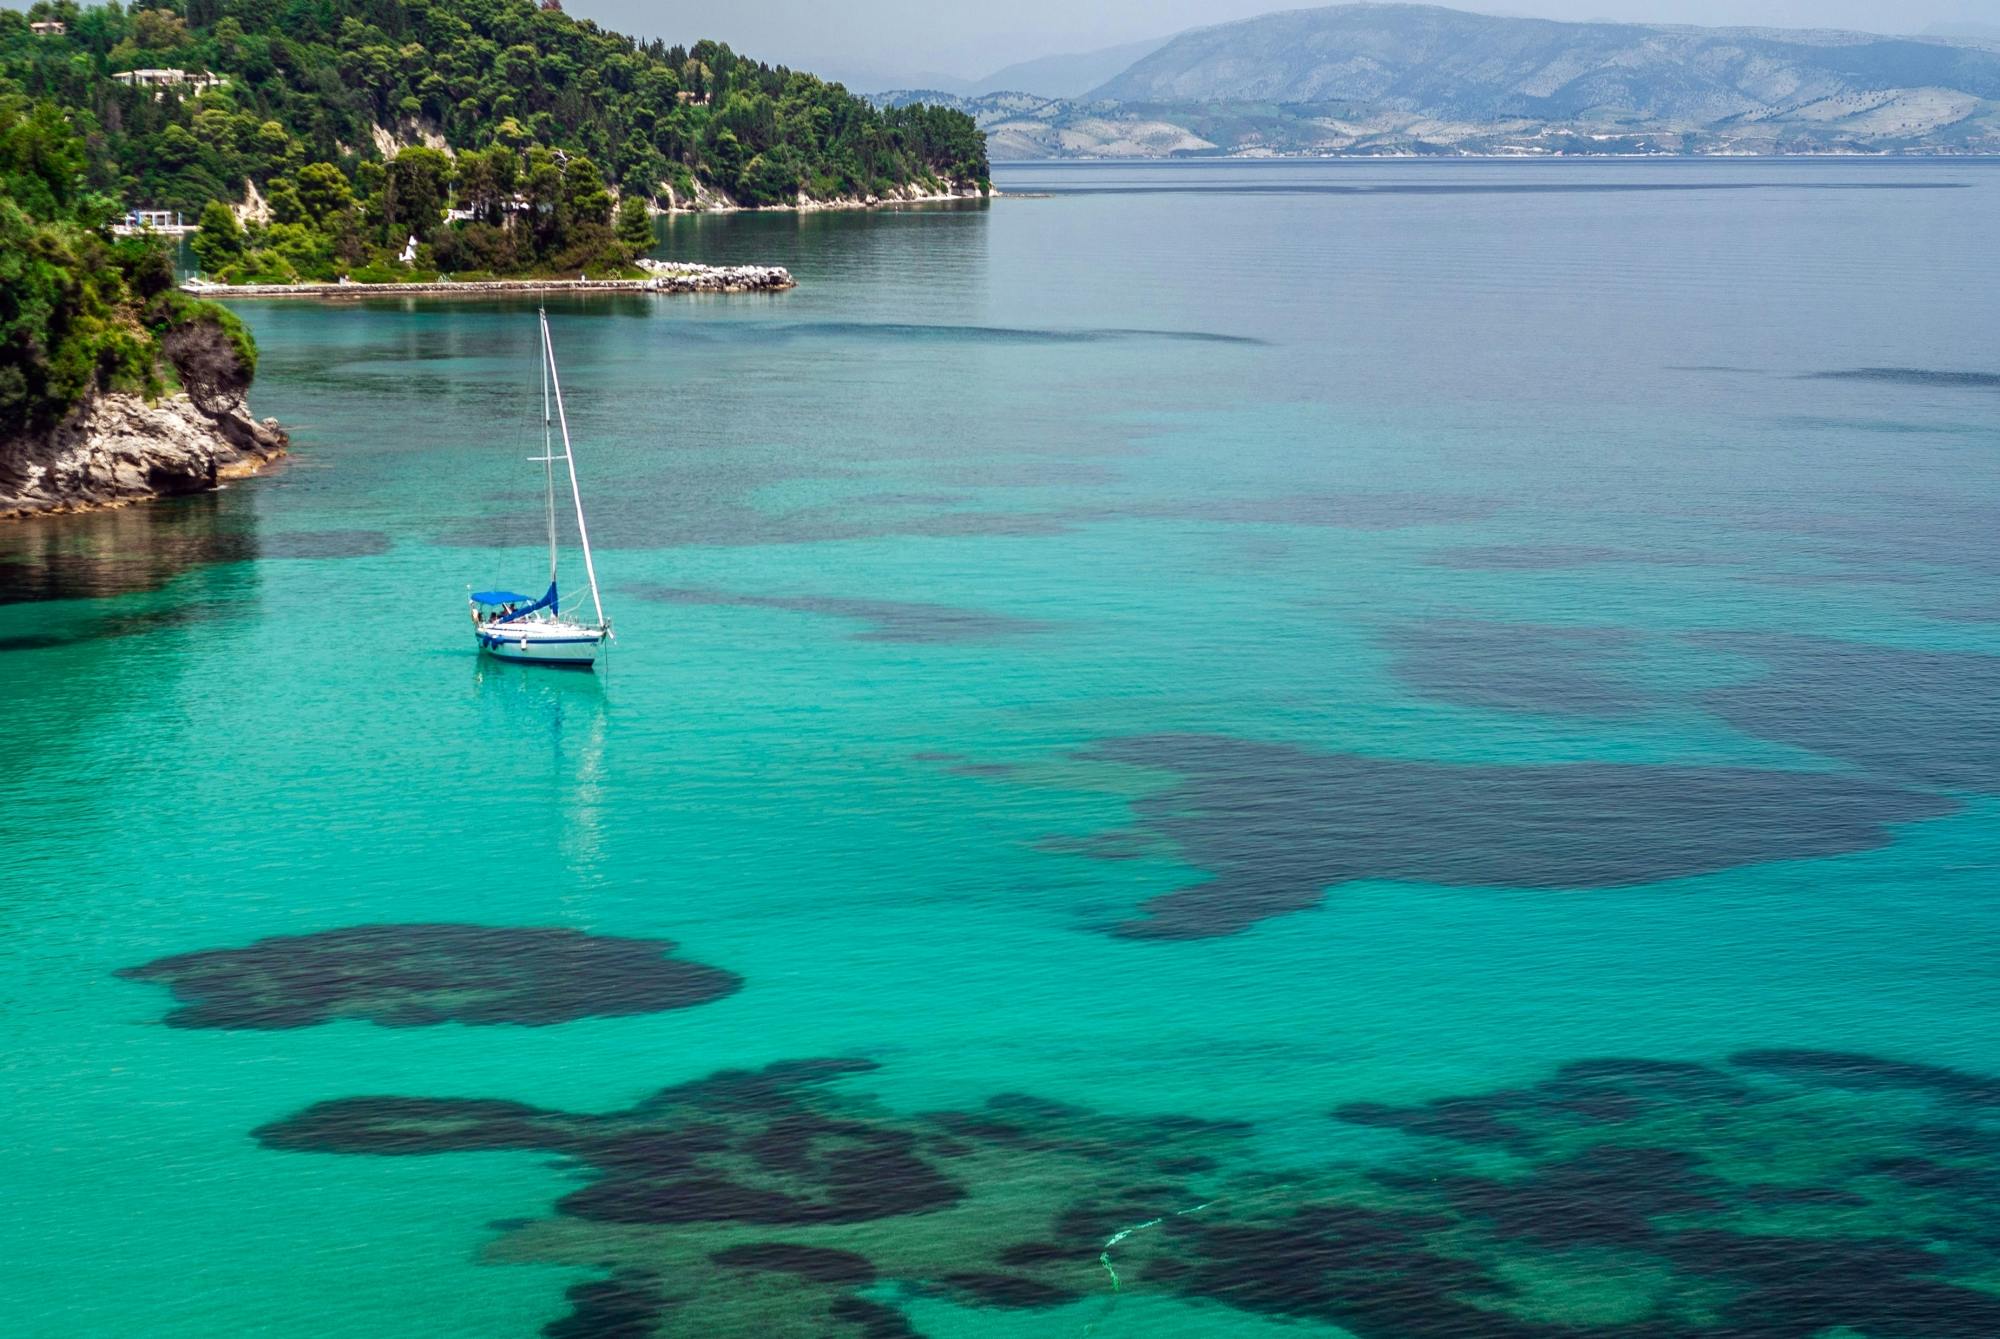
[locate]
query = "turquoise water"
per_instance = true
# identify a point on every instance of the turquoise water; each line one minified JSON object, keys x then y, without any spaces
{"x":1548,"y":612}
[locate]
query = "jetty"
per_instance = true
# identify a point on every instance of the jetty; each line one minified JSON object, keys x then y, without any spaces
{"x":661,"y":277}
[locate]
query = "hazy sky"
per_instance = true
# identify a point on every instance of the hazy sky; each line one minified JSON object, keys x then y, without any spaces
{"x":839,"y":36}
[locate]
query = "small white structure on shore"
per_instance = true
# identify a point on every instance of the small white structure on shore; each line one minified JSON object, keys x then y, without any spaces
{"x":48,"y":28}
{"x":152,"y":220}
{"x":161,"y":80}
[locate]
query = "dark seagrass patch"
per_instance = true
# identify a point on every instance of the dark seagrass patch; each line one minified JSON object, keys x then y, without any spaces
{"x":1276,"y":825}
{"x":424,"y":974}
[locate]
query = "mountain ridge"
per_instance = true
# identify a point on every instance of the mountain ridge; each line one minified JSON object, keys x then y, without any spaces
{"x":1409,"y":79}
{"x":1068,"y":74}
{"x":1447,"y":62}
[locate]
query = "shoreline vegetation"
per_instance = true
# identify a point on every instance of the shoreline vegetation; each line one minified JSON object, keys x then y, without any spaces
{"x":113,"y":385}
{"x":391,"y":143}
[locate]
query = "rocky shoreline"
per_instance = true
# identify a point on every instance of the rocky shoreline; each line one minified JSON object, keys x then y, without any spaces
{"x":709,"y":200}
{"x":662,"y":277}
{"x":119,"y":448}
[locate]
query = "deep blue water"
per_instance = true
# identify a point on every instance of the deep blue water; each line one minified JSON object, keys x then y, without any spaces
{"x":1424,"y":736}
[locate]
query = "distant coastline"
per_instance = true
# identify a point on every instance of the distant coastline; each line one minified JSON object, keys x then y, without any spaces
{"x":1184,"y":159}
{"x":1394,"y":79}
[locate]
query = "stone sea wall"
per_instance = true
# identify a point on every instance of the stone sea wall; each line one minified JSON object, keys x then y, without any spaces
{"x":119,"y":448}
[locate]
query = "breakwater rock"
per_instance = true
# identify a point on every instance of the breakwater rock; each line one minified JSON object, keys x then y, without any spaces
{"x":661,"y":277}
{"x":118,"y":448}
{"x":672,"y":276}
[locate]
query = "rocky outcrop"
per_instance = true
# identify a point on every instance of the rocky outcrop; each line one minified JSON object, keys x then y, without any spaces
{"x":712,"y":200}
{"x":255,"y":209}
{"x":669,"y":276}
{"x":119,"y":448}
{"x":390,"y":141}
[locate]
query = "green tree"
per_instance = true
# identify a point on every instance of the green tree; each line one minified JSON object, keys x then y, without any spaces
{"x":771,"y":178}
{"x":218,"y":242}
{"x":414,"y":196}
{"x":324,"y":194}
{"x":483,"y":181}
{"x":159,"y":30}
{"x":635,"y":224}
{"x":586,"y":202}
{"x":541,"y":191}
{"x":273,"y":149}
{"x":283,"y":198}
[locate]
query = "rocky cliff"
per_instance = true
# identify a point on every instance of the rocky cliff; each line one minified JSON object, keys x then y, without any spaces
{"x":116,"y":448}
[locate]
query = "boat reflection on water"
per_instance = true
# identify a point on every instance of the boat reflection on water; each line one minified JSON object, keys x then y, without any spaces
{"x":571,"y":714}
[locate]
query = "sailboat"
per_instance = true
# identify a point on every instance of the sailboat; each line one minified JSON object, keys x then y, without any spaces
{"x":521,"y":627}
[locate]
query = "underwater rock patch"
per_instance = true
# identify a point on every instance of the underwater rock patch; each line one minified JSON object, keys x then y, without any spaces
{"x":1276,"y":826}
{"x":958,"y":764}
{"x":1549,"y":557}
{"x":763,"y":1202}
{"x":1515,"y":666}
{"x":1895,"y":535}
{"x":886,"y":620}
{"x":1782,"y":1194}
{"x":418,"y":975}
{"x":905,"y":332}
{"x":721,"y":513}
{"x":325,"y":544}
{"x":1914,"y":376}
{"x":822,"y":1264}
{"x":1753,"y":1198}
{"x":1345,"y":511}
{"x":1930,"y":717}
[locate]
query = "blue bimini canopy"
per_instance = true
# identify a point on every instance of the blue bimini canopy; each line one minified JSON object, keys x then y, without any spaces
{"x":524,"y":608}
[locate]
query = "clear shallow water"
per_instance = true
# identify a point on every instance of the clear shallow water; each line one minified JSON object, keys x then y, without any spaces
{"x":1492,"y":584}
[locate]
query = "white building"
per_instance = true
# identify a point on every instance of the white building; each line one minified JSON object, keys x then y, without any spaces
{"x":48,"y":28}
{"x":160,"y":80}
{"x":140,"y":221}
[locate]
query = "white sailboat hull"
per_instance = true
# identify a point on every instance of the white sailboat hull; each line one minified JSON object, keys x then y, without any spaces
{"x":543,"y":644}
{"x":511,"y":626}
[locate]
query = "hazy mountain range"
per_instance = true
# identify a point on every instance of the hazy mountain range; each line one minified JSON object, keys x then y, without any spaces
{"x":1068,"y":76}
{"x":1394,"y":78}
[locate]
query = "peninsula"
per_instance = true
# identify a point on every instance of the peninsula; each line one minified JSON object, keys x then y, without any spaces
{"x":484,"y":139}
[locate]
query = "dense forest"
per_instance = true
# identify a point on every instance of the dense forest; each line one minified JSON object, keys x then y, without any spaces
{"x":361,"y":122}
{"x":81,"y":311}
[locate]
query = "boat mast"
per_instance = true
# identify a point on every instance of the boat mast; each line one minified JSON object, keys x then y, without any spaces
{"x":548,"y":451}
{"x":562,"y":418}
